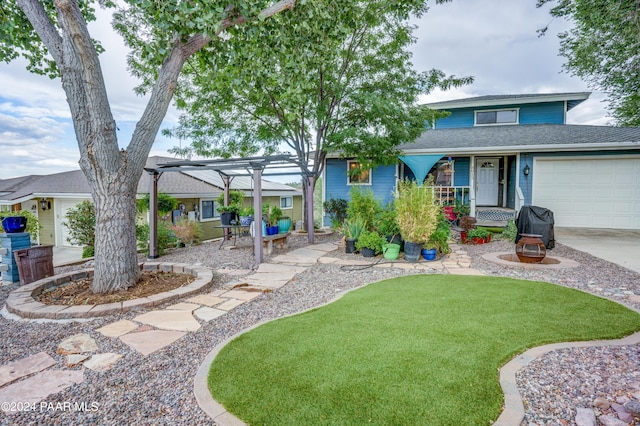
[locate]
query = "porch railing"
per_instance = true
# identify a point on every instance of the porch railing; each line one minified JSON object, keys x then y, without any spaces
{"x":446,"y":195}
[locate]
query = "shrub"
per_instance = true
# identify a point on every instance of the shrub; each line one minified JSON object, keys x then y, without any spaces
{"x":468,"y":222}
{"x":510,"y":232}
{"x":166,"y":203}
{"x":363,"y":204}
{"x":187,"y":231}
{"x":166,"y":237}
{"x":372,"y":240}
{"x":336,"y":208}
{"x":33,"y":224}
{"x":440,"y":237}
{"x":417,"y":210}
{"x":81,"y":223}
{"x":386,"y":221}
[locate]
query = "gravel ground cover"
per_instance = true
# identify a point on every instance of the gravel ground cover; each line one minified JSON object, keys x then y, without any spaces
{"x":158,"y":388}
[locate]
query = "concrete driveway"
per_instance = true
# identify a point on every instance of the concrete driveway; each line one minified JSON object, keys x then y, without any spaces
{"x":615,"y":245}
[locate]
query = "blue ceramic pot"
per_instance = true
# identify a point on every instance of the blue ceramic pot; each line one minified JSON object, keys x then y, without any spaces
{"x":429,"y":254}
{"x":14,"y":224}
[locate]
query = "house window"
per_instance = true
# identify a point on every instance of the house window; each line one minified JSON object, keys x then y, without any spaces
{"x":503,"y":116}
{"x":356,"y":175}
{"x":208,"y":210}
{"x":286,"y":202}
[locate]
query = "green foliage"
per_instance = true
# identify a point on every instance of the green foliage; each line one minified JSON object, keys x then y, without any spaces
{"x":353,"y":227}
{"x":478,"y":233}
{"x":417,"y":210}
{"x":439,"y":239}
{"x":236,"y":198}
{"x":387,"y":221}
{"x":166,"y":237}
{"x":336,"y":208}
{"x":33,"y":224}
{"x":510,"y":232}
{"x":325,"y":77}
{"x":603,"y":48}
{"x":461,"y":209}
{"x":275,"y":213}
{"x":88,"y":251}
{"x":246,"y":211}
{"x":363,"y":204}
{"x":81,"y":223}
{"x":452,"y":332}
{"x":372,"y":240}
{"x":166,"y":203}
{"x":187,"y":231}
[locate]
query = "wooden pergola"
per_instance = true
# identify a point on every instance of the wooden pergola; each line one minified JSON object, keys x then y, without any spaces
{"x":228,"y":169}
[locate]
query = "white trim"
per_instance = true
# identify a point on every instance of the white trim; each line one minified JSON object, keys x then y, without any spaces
{"x":529,"y":148}
{"x":542,"y":97}
{"x":349,"y":183}
{"x":510,"y":123}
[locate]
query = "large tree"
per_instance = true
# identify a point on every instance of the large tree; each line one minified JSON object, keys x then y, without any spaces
{"x":603,"y":48}
{"x":53,"y":36}
{"x":342,"y":81}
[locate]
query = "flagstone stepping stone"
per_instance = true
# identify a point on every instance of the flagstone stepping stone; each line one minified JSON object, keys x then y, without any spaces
{"x":183,"y":307}
{"x":280,"y":269}
{"x":151,"y":341}
{"x":102,"y":362}
{"x":75,"y":359}
{"x":262,"y":281}
{"x":242,"y":294}
{"x":217,"y":292}
{"x":234,"y":271}
{"x":117,"y":328}
{"x":36,"y":388}
{"x":230,"y":304}
{"x":207,"y":299}
{"x":170,"y":320}
{"x":77,"y":344}
{"x":24,"y":367}
{"x":207,"y":314}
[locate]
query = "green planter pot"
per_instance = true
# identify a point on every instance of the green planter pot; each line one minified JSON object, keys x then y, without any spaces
{"x":284,"y":224}
{"x":391,"y":251}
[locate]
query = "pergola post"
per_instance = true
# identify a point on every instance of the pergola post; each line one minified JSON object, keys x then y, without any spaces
{"x":153,"y":216}
{"x":227,"y":200}
{"x":257,"y":214}
{"x":309,"y":201}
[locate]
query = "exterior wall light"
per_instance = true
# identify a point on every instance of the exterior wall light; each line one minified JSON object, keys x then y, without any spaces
{"x":526,"y":170}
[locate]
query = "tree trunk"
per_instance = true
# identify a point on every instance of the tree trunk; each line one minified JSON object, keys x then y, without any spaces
{"x":116,"y":257}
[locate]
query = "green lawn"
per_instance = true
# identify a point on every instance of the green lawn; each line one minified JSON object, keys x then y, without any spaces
{"x":407,"y":351}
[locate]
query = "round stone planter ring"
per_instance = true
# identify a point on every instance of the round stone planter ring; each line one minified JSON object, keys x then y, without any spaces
{"x":22,"y":303}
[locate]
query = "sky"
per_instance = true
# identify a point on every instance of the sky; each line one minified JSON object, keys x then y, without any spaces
{"x":494,"y":41}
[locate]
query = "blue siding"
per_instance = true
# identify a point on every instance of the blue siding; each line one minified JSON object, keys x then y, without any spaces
{"x":462,"y":171}
{"x":383,"y":182}
{"x":543,"y":113}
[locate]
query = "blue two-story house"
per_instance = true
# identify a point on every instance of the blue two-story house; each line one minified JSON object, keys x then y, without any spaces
{"x":499,"y":153}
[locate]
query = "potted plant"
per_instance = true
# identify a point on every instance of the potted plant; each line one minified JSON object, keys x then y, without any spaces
{"x":461,"y":209}
{"x":275,"y":213}
{"x":229,"y":213}
{"x":370,"y":243}
{"x":467,"y":223}
{"x":439,"y":240}
{"x":352,"y":229}
{"x":417,"y":215}
{"x":479,"y":236}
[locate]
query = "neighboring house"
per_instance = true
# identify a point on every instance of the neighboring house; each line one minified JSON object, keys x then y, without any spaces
{"x":49,"y":197}
{"x":503,"y":152}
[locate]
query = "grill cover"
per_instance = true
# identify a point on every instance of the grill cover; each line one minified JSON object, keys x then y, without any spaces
{"x":536,"y":220}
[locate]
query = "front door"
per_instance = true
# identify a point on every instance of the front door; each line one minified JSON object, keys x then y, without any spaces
{"x":487,"y":170}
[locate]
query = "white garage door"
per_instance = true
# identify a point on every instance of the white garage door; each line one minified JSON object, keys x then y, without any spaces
{"x":588,"y":192}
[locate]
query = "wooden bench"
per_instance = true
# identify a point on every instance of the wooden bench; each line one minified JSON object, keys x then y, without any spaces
{"x":281,"y":240}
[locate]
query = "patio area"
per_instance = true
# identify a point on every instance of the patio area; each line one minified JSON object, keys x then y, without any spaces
{"x":156,"y":387}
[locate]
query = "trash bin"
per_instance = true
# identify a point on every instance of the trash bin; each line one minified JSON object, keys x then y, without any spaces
{"x":34,"y":263}
{"x":536,"y":220}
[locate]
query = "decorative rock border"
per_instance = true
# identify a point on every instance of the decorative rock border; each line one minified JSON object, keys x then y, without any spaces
{"x":22,"y":303}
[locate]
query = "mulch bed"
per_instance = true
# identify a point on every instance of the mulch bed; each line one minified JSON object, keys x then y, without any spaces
{"x":79,"y":292}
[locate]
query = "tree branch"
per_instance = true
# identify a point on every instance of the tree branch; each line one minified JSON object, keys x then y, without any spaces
{"x":43,"y":26}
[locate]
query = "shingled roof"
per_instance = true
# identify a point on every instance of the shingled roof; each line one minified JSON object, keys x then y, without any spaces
{"x":534,"y":137}
{"x":572,"y":99}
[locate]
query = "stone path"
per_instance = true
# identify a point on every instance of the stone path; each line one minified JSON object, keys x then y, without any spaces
{"x":32,"y":379}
